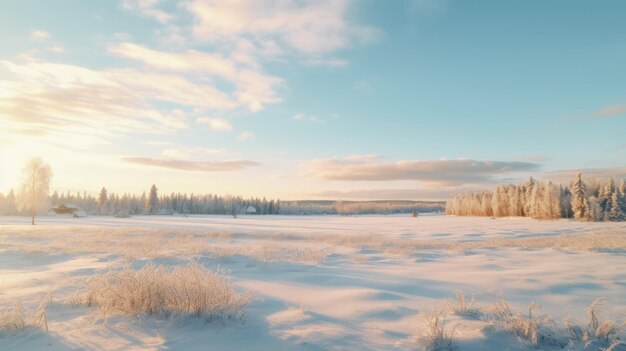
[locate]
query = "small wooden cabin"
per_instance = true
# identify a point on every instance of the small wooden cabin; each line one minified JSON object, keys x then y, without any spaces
{"x":63,"y":209}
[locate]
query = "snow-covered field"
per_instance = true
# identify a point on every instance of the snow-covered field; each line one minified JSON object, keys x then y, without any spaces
{"x":318,"y":282}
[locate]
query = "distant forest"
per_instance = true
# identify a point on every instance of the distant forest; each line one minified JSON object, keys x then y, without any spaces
{"x":112,"y":204}
{"x":595,"y":200}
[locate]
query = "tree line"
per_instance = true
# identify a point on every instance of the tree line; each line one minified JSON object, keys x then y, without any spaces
{"x":596,"y":200}
{"x":112,"y":204}
{"x":359,"y":207}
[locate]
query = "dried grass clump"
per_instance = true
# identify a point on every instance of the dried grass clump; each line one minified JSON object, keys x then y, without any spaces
{"x":438,"y":336}
{"x":535,"y":328}
{"x":601,"y":334}
{"x":464,"y":308}
{"x":14,"y":319}
{"x":190,"y":290}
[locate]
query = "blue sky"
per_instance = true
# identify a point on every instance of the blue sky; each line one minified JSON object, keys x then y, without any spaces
{"x":312,"y":99}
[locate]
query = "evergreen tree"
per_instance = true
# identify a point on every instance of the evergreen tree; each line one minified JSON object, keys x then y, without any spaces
{"x":580,"y":203}
{"x":536,"y":201}
{"x":615,"y":212}
{"x":10,"y":204}
{"x":152,"y":203}
{"x":54,"y":199}
{"x":622,"y":192}
{"x":102,"y":200}
{"x":565,"y":200}
{"x":550,"y":206}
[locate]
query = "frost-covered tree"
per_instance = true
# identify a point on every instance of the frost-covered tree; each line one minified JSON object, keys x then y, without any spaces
{"x":604,"y":198}
{"x":622,"y":192}
{"x":152,"y":203}
{"x":36,"y":177}
{"x":565,"y":200}
{"x":102,"y":200}
{"x":615,"y":211}
{"x":496,"y":203}
{"x":9,"y":206}
{"x":528,"y":191}
{"x":54,"y":199}
{"x":550,"y":205}
{"x":580,"y":203}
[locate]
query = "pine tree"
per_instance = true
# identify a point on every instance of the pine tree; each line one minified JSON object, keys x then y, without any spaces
{"x":595,"y":213}
{"x":565,"y":199}
{"x":615,"y":212}
{"x":152,"y":204}
{"x":496,"y":207}
{"x":604,"y":198}
{"x":622,"y":192}
{"x":528,"y":192}
{"x":536,"y":208}
{"x":551,"y":206}
{"x":102,"y":200}
{"x":54,"y":199}
{"x":580,"y":203}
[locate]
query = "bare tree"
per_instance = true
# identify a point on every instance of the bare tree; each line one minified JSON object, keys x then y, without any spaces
{"x":36,"y":177}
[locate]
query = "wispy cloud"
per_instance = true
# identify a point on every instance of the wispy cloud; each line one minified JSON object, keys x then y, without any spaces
{"x":104,"y":102}
{"x":148,"y":8}
{"x":189,"y":165}
{"x":37,"y":34}
{"x":253,"y":87}
{"x":310,"y":26}
{"x":326,"y":62}
{"x":182,"y":152}
{"x":610,"y":111}
{"x":374,"y":168}
{"x":363,"y":86}
{"x":245,"y":136}
{"x":302,"y":117}
{"x":215,"y":123}
{"x":531,"y":158}
{"x":438,"y":193}
{"x":565,"y":175}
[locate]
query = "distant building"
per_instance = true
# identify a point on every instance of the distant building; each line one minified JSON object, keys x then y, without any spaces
{"x":63,"y":209}
{"x":250,"y":210}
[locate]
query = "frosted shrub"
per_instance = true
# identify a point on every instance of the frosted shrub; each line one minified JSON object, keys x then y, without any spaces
{"x":533,"y":327}
{"x":600,"y":333}
{"x":191,"y":290}
{"x":13,"y":318}
{"x":438,"y":336}
{"x":462,"y":307}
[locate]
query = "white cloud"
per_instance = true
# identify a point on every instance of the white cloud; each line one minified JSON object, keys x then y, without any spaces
{"x":302,"y":117}
{"x":374,"y":168}
{"x":327,"y":62}
{"x":103,"y":103}
{"x":39,"y":34}
{"x":253,"y":88}
{"x":56,"y":48}
{"x":316,"y":119}
{"x":147,"y":8}
{"x":436,"y":193}
{"x":189,"y":165}
{"x":215,"y":123}
{"x":310,"y":27}
{"x":610,"y":111}
{"x":245,"y":136}
{"x":362,"y":85}
{"x":182,"y":152}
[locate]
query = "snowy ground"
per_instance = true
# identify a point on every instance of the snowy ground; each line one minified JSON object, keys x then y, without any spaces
{"x":321,"y":282}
